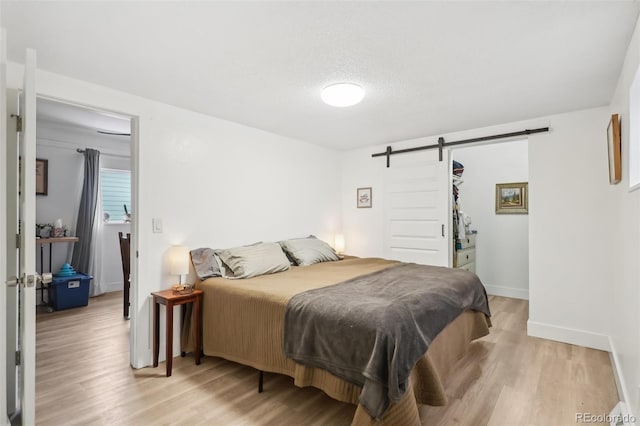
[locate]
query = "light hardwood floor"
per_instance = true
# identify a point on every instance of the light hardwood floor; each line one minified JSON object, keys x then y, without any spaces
{"x":83,"y":377}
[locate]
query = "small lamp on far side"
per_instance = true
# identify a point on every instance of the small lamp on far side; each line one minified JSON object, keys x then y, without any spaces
{"x":179,"y":261}
{"x":338,"y":243}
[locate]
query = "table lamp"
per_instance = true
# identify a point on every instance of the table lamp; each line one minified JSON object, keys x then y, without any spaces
{"x":338,"y":243}
{"x":179,"y":264}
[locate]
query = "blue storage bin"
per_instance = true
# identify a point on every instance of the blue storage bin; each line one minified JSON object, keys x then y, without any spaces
{"x":69,"y":291}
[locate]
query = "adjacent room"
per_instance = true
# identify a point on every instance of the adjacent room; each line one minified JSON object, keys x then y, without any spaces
{"x":335,"y":212}
{"x":64,"y":133}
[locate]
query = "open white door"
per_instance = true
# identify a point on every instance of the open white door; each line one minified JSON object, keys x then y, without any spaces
{"x":23,"y":283}
{"x":11,"y":250}
{"x":416,"y":216}
{"x":4,"y":350}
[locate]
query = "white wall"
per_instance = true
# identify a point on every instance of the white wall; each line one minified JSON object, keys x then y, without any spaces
{"x":624,"y":282}
{"x":213,"y":183}
{"x":58,"y":143}
{"x":570,"y":222}
{"x":502,"y":245}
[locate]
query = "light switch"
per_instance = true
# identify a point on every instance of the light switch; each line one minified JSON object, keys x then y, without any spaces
{"x":157,"y":225}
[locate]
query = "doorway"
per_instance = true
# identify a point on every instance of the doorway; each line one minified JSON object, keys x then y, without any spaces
{"x":501,"y":246}
{"x":64,"y":133}
{"x":64,"y":129}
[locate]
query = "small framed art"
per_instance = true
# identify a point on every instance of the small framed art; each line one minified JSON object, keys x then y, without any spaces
{"x":42,"y":176}
{"x":613,"y":143}
{"x":364,"y":198}
{"x":512,"y":198}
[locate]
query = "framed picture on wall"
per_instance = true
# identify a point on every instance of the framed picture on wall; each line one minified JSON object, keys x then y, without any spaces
{"x":364,"y":197}
{"x":42,"y":176}
{"x":613,"y":143}
{"x":512,"y":198}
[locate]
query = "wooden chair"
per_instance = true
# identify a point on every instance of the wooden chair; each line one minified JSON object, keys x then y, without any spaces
{"x":125,"y":254}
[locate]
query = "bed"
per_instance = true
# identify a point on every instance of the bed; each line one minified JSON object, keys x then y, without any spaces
{"x":244,"y":321}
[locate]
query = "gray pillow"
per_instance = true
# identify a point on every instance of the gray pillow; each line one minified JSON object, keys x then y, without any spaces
{"x":307,"y":251}
{"x":204,"y":263}
{"x":254,"y":260}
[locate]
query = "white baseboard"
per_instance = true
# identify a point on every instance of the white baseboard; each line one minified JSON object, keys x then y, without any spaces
{"x":569,"y":335}
{"x":620,"y":415}
{"x":115,"y":286}
{"x":512,"y":292}
{"x":623,"y":391}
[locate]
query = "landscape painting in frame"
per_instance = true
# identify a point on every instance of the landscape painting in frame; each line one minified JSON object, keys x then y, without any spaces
{"x":512,"y":198}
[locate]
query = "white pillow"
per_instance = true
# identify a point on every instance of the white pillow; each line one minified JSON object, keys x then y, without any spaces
{"x":310,"y":250}
{"x":254,"y":260}
{"x":205,"y":263}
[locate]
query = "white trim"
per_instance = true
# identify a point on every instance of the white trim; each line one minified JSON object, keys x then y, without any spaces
{"x":634,"y":187}
{"x":27,"y":241}
{"x":138,"y":357}
{"x":621,"y":384}
{"x":512,"y":292}
{"x":572,"y":336}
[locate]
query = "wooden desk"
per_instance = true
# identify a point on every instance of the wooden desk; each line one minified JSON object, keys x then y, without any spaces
{"x":170,"y":299}
{"x":51,"y":241}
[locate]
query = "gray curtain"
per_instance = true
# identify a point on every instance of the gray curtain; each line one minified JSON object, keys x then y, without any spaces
{"x":81,"y":259}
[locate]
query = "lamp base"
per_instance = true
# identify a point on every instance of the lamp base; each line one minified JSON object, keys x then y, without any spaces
{"x":182,"y":289}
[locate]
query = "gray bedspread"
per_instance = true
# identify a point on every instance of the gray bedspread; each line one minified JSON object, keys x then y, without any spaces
{"x":371,"y":330}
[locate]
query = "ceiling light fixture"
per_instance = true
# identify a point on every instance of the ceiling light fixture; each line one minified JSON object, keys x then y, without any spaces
{"x":342,"y":94}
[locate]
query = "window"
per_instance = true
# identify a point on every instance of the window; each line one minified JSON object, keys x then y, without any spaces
{"x":116,"y":194}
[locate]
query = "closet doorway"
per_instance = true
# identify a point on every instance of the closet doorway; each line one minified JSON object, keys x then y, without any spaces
{"x":500,"y":249}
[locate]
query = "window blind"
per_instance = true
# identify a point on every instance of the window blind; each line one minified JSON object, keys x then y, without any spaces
{"x":116,"y":193}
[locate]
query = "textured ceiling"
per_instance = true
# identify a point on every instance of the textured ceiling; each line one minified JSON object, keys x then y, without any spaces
{"x":428,"y":67}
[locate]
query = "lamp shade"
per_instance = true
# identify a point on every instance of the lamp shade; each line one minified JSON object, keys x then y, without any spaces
{"x":179,"y":260}
{"x":338,"y":243}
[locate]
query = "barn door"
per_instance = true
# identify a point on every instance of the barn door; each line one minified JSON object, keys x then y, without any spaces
{"x":417,"y":208}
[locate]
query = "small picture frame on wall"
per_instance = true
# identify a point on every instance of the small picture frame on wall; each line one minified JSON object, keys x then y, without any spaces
{"x":615,"y":150}
{"x":364,"y":198}
{"x":512,"y":198}
{"x":42,"y":176}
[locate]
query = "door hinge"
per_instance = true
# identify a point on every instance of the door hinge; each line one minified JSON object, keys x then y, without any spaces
{"x":443,"y":229}
{"x":17,"y":241}
{"x":13,"y":281}
{"x":18,"y":358}
{"x":136,"y":254}
{"x":18,"y":122}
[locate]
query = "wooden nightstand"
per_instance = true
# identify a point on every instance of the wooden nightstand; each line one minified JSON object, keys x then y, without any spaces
{"x":170,"y":299}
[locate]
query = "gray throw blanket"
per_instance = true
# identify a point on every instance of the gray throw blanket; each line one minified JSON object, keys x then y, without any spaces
{"x":372,"y":330}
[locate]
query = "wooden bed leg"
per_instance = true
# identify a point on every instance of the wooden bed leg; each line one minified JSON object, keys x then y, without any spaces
{"x":260,"y":380}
